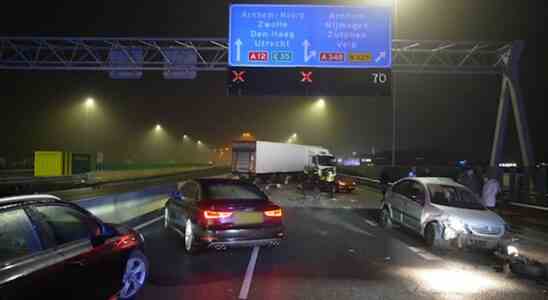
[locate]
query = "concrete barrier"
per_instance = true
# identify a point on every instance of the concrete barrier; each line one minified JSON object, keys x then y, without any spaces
{"x":121,"y":208}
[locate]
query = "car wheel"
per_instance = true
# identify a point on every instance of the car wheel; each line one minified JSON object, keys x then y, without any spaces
{"x":135,"y":275}
{"x":530,"y":270}
{"x":432,"y":235}
{"x":386,"y":221}
{"x":190,"y":242}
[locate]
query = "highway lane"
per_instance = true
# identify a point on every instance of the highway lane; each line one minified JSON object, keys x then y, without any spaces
{"x":334,"y":250}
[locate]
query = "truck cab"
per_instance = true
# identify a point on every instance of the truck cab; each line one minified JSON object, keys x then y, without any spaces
{"x":321,"y":162}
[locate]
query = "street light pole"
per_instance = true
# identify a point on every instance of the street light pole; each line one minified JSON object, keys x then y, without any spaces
{"x":394,"y":92}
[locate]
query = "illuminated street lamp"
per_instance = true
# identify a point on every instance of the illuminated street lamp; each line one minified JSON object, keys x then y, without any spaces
{"x":199,"y":143}
{"x":158,"y":128}
{"x":90,"y":103}
{"x":185,"y":137}
{"x":319,"y":105}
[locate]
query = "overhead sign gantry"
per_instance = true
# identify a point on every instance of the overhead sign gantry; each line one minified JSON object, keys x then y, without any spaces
{"x":309,"y":49}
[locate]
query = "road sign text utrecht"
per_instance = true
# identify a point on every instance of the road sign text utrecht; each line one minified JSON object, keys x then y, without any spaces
{"x":320,"y":36}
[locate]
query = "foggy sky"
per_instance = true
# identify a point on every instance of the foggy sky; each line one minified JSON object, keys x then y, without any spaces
{"x":42,"y":110}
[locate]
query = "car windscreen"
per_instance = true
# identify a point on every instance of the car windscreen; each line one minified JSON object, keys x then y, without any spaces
{"x":227,"y":191}
{"x":452,"y":196}
{"x":325,"y":160}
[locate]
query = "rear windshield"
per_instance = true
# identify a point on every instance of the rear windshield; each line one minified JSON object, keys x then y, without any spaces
{"x":447,"y":195}
{"x":227,"y":191}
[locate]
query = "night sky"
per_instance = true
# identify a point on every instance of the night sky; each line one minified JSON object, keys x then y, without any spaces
{"x":445,"y":113}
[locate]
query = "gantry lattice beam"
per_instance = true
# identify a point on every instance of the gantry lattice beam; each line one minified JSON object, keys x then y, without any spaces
{"x":94,"y":54}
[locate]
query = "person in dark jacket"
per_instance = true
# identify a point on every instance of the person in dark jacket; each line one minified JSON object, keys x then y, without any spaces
{"x":472,"y":181}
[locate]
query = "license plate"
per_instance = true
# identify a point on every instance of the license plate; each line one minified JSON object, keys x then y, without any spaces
{"x":478,"y":243}
{"x":244,"y":218}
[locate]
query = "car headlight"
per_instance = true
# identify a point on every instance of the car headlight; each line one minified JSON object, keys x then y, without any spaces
{"x":512,"y":250}
{"x":456,"y":224}
{"x":342,"y":183}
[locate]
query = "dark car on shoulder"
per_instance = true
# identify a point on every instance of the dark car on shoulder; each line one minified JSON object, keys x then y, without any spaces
{"x":51,"y":249}
{"x":221,"y":213}
{"x":345,"y":184}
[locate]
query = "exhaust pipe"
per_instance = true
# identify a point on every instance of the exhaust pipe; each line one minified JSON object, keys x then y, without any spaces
{"x":220,"y":247}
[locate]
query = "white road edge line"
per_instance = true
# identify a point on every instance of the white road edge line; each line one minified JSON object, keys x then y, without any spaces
{"x":249,"y":274}
{"x":371,"y":223}
{"x":141,"y":226}
{"x":422,"y":253}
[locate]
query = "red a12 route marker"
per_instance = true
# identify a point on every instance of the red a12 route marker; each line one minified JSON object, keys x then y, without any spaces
{"x":258,"y":56}
{"x":238,"y":76}
{"x":307,"y":77}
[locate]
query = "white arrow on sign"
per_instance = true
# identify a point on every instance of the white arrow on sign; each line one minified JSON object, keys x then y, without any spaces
{"x":382,"y":55}
{"x":308,"y":55}
{"x":238,"y":44}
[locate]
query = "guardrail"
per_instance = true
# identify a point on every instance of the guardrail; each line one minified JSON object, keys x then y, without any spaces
{"x":121,"y":208}
{"x":376,"y":184}
{"x":20,"y":185}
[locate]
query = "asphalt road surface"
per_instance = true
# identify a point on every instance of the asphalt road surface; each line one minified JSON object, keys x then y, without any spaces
{"x":335,"y":250}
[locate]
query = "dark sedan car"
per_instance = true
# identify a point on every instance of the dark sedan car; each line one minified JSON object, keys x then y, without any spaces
{"x":345,"y":184}
{"x":219,"y":213}
{"x":51,"y":249}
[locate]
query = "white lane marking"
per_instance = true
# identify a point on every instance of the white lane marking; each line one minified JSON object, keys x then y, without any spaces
{"x":249,"y":274}
{"x":371,"y":223}
{"x":422,"y":253}
{"x":141,"y":226}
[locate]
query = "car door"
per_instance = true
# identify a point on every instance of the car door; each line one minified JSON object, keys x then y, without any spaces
{"x":398,"y":199}
{"x":27,"y":269}
{"x":416,"y":199}
{"x":90,"y":271}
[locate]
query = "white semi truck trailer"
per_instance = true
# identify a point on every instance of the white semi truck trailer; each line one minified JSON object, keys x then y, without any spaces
{"x":264,"y":159}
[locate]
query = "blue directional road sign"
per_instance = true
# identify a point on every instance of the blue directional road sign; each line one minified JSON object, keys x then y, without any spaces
{"x":319,"y":36}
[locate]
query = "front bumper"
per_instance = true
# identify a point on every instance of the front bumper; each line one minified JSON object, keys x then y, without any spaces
{"x":245,"y":237}
{"x":472,"y":241}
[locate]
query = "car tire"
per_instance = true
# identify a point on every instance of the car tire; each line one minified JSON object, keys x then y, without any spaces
{"x":135,"y":275}
{"x":191,"y":246}
{"x":386,"y":221}
{"x":530,"y":270}
{"x":432,"y":236}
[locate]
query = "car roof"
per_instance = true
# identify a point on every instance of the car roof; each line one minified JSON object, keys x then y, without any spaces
{"x":27,"y":198}
{"x":435,"y":180}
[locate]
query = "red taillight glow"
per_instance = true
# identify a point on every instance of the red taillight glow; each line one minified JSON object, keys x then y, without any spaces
{"x":274,"y":213}
{"x":211,"y":215}
{"x":126,"y":241}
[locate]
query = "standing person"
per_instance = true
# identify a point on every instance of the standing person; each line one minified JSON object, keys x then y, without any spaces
{"x":470,"y":180}
{"x":490,"y":190}
{"x":385,"y":181}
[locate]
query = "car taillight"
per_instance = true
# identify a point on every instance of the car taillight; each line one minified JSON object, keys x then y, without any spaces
{"x":274,"y":213}
{"x":126,"y":241}
{"x":213,"y":215}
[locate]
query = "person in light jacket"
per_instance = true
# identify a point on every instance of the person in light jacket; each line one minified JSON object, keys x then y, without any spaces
{"x":491,"y":189}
